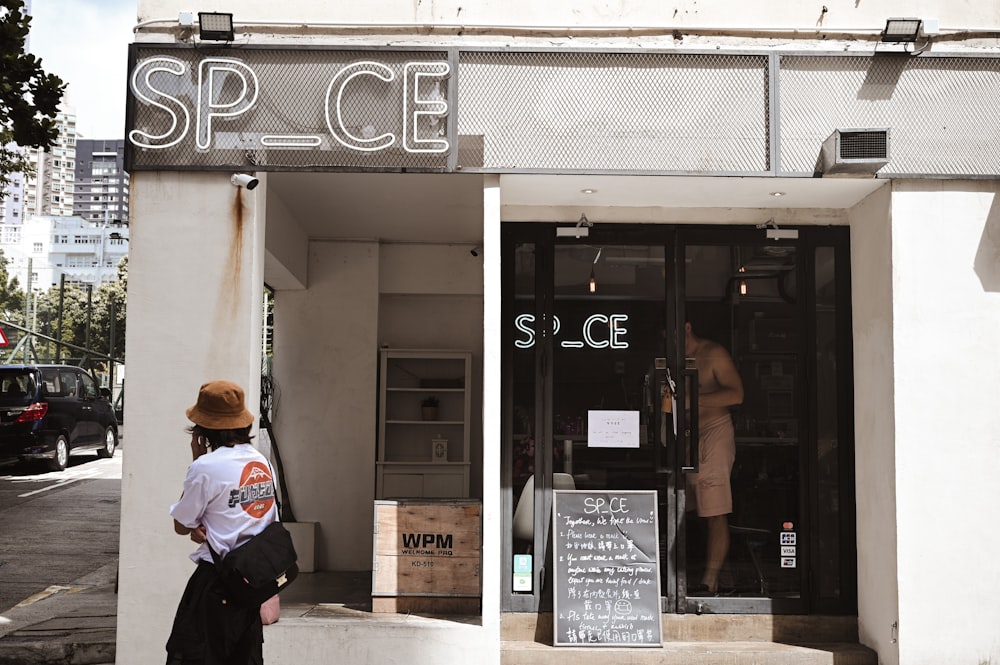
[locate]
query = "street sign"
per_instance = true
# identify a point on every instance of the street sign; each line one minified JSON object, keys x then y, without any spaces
{"x":3,"y":338}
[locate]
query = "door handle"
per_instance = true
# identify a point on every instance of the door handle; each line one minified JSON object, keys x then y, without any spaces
{"x":690,"y":378}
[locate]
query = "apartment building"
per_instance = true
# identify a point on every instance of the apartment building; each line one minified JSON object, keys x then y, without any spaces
{"x":101,"y":185}
{"x":49,"y":190}
{"x":12,"y":200}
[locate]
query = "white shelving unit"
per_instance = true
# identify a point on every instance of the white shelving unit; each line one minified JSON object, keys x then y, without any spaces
{"x":420,"y":456}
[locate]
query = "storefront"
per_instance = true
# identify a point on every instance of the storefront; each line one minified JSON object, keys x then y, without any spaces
{"x":550,"y":208}
{"x":618,"y":300}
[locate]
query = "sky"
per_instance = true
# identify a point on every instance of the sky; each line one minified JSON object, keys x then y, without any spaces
{"x":85,"y":43}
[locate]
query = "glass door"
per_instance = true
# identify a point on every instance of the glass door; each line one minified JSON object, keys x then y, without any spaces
{"x":730,"y":353}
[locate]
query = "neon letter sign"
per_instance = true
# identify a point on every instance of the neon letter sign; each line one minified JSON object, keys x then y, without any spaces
{"x":435,"y":105}
{"x":228,"y":88}
{"x":208,"y":104}
{"x":146,"y":69}
{"x":362,"y":143}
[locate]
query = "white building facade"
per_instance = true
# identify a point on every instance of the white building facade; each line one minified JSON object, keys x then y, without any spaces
{"x":820,"y":200}
{"x":64,"y":249}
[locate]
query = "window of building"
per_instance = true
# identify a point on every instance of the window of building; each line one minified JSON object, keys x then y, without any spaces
{"x":36,"y":247}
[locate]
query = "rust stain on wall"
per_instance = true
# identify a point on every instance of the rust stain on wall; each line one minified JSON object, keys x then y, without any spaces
{"x":232,"y":279}
{"x":232,"y":286}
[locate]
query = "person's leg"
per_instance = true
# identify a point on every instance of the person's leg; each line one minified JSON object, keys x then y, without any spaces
{"x":715,"y":497}
{"x":717,"y":547}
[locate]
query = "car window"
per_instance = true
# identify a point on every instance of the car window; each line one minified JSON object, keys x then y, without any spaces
{"x":67,"y":384}
{"x":88,"y":387}
{"x":50,"y":383}
{"x":16,"y":385}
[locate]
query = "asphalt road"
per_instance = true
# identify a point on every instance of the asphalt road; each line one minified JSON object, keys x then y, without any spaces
{"x":56,"y":527}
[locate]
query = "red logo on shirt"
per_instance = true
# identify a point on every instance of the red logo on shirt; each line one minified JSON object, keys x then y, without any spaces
{"x":256,"y":493}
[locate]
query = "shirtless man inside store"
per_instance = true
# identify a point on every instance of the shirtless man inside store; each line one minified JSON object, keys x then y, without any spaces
{"x":709,"y":491}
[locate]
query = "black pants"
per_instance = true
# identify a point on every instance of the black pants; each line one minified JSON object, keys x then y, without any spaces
{"x":210,"y":630}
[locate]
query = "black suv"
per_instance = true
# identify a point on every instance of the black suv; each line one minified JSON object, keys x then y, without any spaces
{"x":50,"y":411}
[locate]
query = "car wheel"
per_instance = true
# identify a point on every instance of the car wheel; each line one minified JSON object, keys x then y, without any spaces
{"x":110,"y":443}
{"x":61,"y":458}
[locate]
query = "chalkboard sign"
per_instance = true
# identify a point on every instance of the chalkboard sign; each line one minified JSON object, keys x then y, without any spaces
{"x":607,"y":572}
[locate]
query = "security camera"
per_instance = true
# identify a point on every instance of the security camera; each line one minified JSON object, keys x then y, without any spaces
{"x":244,"y":180}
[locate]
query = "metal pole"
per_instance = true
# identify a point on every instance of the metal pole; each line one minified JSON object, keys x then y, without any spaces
{"x":111,"y":342}
{"x":58,"y":335}
{"x":27,"y":308}
{"x":90,"y":312}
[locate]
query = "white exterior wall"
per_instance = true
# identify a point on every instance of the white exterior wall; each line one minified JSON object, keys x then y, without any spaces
{"x":325,"y":371}
{"x":194,"y":292}
{"x":946,"y":325}
{"x":326,"y":368}
{"x":926,"y":278}
{"x":755,"y":14}
{"x":872,"y":293}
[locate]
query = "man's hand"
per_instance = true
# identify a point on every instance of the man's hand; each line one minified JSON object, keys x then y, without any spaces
{"x":196,"y":534}
{"x":199,"y":446}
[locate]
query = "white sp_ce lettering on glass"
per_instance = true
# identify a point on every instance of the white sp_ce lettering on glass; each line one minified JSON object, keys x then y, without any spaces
{"x":592,"y":332}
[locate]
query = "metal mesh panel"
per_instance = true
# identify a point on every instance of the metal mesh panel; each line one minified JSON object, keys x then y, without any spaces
{"x":563,"y":111}
{"x":616,"y":112}
{"x":942,"y":112}
{"x":285,"y":111}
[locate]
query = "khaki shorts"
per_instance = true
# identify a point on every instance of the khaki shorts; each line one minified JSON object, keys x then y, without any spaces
{"x":709,"y":491}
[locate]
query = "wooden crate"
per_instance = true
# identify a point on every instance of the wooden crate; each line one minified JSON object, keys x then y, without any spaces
{"x":427,"y":556}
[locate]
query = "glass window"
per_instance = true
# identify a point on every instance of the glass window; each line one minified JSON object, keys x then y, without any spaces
{"x":88,"y":387}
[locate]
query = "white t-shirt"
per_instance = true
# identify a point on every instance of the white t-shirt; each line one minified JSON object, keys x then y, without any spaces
{"x":229,"y":491}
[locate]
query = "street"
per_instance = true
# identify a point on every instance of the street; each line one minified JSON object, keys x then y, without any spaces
{"x":57,"y":526}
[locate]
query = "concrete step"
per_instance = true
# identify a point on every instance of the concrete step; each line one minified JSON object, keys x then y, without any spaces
{"x":688,"y":639}
{"x":690,"y":653}
{"x":785,"y":629}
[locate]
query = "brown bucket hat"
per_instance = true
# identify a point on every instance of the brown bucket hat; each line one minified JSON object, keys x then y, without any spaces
{"x":220,"y":406}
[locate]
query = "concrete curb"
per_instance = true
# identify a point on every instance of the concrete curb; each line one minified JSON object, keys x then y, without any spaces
{"x":54,"y":653}
{"x":64,"y":625}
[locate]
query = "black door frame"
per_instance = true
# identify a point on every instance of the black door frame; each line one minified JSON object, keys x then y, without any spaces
{"x":674,"y":239}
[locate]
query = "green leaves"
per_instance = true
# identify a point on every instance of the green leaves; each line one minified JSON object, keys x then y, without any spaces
{"x":29,"y":96}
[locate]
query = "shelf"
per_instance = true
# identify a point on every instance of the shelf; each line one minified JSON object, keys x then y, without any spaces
{"x":404,"y":464}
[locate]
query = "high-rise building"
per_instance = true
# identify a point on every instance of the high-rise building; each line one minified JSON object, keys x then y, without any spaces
{"x":49,"y":191}
{"x":12,"y":199}
{"x":101,"y":185}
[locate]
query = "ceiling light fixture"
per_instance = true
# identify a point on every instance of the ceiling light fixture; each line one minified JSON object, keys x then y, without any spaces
{"x":593,"y":280}
{"x":215,"y":26}
{"x":588,"y":190}
{"x":774,"y":233}
{"x":778,"y":194}
{"x":581,"y":230}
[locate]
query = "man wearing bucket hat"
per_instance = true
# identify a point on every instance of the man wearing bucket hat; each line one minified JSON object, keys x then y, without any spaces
{"x":228,"y":498}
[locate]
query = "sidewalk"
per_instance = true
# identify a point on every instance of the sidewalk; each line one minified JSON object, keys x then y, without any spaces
{"x":64,"y":625}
